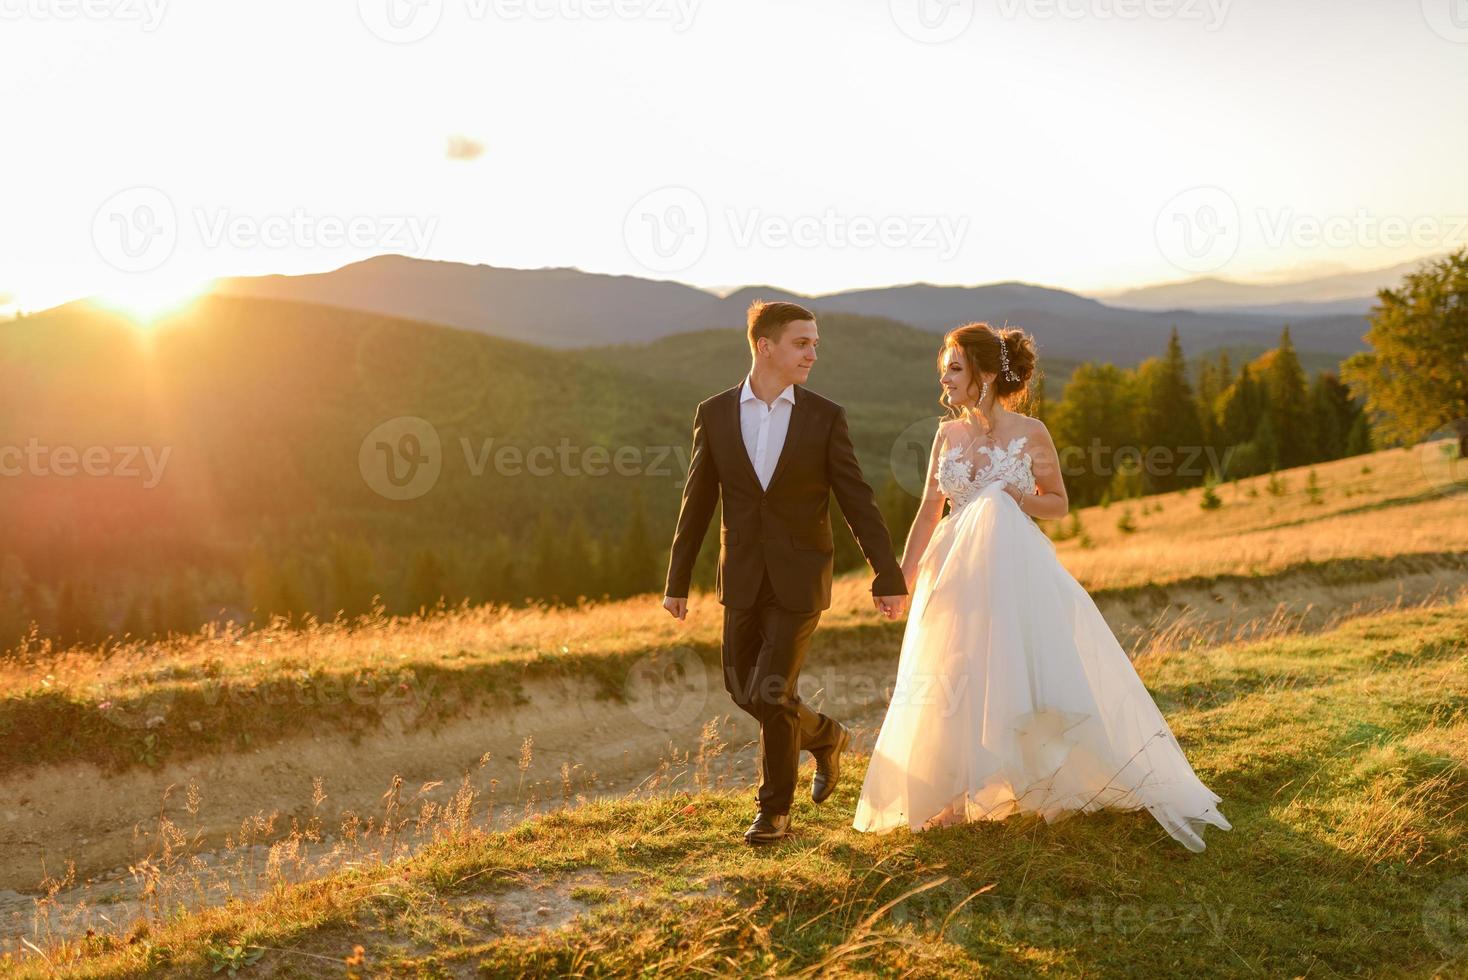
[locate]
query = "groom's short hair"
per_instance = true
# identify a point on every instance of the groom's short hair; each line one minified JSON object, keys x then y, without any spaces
{"x":769,"y":320}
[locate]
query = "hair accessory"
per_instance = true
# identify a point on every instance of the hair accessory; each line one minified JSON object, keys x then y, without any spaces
{"x":1004,"y":361}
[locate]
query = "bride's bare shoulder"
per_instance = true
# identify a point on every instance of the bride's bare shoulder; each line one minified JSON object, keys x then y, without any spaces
{"x":1035,"y":430}
{"x":950,"y":432}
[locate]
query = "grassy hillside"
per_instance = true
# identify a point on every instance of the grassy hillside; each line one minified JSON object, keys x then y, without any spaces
{"x":1365,"y":511}
{"x":257,"y":413}
{"x":862,"y":361}
{"x":1340,"y":759}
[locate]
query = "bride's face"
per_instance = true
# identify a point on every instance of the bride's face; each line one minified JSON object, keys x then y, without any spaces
{"x":960,"y":387}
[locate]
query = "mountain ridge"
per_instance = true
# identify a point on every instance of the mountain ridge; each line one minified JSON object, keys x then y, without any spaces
{"x":564,"y":307}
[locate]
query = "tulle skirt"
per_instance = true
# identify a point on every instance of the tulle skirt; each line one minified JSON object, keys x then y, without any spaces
{"x":1013,"y":696}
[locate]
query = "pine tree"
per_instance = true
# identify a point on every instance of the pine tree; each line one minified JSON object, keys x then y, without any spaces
{"x":183,"y":607}
{"x":1289,"y":406}
{"x":352,"y":575}
{"x":638,"y":558}
{"x":1209,"y":389}
{"x":76,"y":622}
{"x":1358,"y":443}
{"x":292,"y":596}
{"x":1334,"y":414}
{"x":1093,"y":420}
{"x":1266,"y":441}
{"x":578,"y":573}
{"x":426,"y":581}
{"x":1126,"y":524}
{"x":547,"y":581}
{"x":274,"y":588}
{"x":1312,"y":488}
{"x":1168,"y":414}
{"x":1127,"y":482}
{"x":1240,"y":408}
{"x":496,"y":580}
{"x":1210,"y":500}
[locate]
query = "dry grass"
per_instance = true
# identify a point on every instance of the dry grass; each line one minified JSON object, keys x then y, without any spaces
{"x":1392,"y":510}
{"x":1339,"y":758}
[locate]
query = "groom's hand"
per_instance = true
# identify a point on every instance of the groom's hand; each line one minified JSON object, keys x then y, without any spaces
{"x":677,"y":606}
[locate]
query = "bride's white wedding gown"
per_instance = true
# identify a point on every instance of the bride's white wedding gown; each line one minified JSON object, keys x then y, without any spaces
{"x":1012,"y":694}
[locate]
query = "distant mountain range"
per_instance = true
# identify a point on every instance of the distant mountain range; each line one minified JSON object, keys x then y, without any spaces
{"x":569,"y":308}
{"x":1352,"y":292}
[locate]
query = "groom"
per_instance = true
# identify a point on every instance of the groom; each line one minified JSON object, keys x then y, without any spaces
{"x":774,"y":451}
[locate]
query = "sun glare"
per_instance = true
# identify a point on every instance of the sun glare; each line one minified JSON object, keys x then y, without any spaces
{"x":147,"y":304}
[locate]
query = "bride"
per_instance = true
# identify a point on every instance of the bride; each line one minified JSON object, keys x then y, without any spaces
{"x":1012,"y":695}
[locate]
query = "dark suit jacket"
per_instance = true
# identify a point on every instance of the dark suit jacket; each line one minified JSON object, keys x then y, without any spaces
{"x":785,"y":529}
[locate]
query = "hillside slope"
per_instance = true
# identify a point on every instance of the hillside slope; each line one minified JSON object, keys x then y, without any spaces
{"x":273,"y":422}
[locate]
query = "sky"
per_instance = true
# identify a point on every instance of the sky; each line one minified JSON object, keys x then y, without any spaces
{"x":816,"y":145}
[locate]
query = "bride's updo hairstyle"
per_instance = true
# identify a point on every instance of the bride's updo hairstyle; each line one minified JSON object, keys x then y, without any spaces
{"x":1014,"y":365}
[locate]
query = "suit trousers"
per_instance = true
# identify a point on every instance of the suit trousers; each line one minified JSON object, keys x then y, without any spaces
{"x":764,"y":647}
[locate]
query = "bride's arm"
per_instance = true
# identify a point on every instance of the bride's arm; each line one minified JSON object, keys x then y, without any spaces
{"x":1049,"y":501}
{"x":930,"y":511}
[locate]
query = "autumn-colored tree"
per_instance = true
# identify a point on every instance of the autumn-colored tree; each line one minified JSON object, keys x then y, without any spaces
{"x":1415,"y":376}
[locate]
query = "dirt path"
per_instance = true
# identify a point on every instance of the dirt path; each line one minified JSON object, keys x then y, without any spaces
{"x":650,"y":744}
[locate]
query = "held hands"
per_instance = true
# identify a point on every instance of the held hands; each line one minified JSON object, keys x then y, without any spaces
{"x":890,"y":606}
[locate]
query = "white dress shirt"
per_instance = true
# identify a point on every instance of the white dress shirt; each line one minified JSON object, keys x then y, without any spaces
{"x":764,"y":427}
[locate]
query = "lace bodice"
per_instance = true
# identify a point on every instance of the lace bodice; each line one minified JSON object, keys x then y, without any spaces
{"x":961,"y":479}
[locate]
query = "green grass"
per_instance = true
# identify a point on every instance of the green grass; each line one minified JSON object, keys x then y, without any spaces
{"x":1339,"y":756}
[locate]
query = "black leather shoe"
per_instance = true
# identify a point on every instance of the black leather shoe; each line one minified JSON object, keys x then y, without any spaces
{"x":828,"y":768}
{"x":767,"y":828}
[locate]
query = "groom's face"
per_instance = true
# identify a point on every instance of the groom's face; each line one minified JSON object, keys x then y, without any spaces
{"x":794,"y":354}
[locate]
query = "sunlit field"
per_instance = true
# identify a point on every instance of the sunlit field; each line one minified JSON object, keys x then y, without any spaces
{"x":1340,"y":757}
{"x":1382,"y":505}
